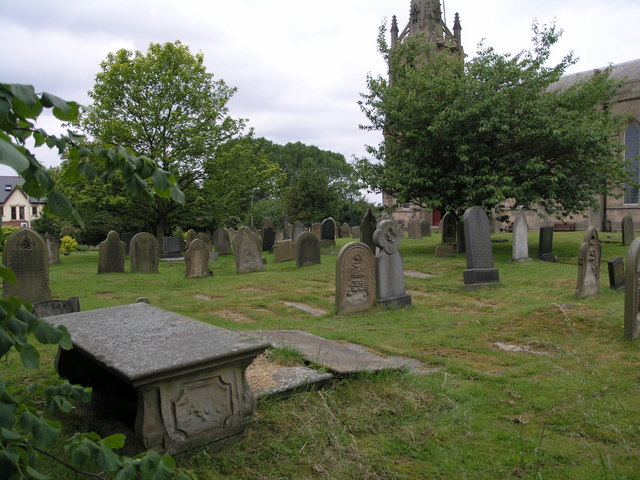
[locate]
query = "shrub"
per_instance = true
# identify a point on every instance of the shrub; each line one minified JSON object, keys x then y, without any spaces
{"x":68,"y":244}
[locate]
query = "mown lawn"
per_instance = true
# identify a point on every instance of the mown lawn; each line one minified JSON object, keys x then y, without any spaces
{"x":569,"y":409}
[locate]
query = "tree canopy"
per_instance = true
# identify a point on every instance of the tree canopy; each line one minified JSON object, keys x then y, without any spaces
{"x":479,"y":132}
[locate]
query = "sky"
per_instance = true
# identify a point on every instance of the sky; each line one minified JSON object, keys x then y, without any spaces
{"x":299,"y":66}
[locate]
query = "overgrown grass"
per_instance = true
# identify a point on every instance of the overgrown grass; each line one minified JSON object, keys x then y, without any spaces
{"x":566,"y":410}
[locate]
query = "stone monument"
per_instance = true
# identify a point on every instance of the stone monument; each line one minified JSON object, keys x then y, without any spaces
{"x":415,"y":228}
{"x":627,"y":230}
{"x":520,"y":248}
{"x":298,"y":228}
{"x":355,"y":232}
{"x":448,"y":228}
{"x":480,"y":270}
{"x":196,"y":260}
{"x":26,"y":255}
{"x":588,"y":283}
{"x":111,"y":254}
{"x":345,"y":230}
{"x":144,"y":253}
{"x":53,"y":248}
{"x":246,"y":251}
{"x":268,"y":238}
{"x":616,"y":273}
{"x":221,"y":241}
{"x":632,"y":292}
{"x":190,"y":237}
{"x":328,"y":233}
{"x":425,"y":227}
{"x":545,"y":245}
{"x":355,"y":281}
{"x":284,"y":250}
{"x":390,"y":291}
{"x":307,"y":250}
{"x":367,"y":227}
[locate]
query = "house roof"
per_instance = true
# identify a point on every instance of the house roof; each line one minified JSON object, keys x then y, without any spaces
{"x":626,"y":71}
{"x":13,"y":181}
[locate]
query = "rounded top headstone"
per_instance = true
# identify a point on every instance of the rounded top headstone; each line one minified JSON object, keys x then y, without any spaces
{"x":387,"y":236}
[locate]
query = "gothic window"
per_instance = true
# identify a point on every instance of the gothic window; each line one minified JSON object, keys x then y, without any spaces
{"x":631,"y":154}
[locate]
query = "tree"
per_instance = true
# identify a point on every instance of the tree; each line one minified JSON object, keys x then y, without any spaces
{"x":490,"y":129}
{"x":165,"y":105}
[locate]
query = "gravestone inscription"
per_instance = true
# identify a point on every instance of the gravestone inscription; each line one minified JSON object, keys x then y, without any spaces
{"x":588,"y":283}
{"x":389,"y":271}
{"x":355,"y":280}
{"x":26,"y":255}
{"x":480,"y":270}
{"x":144,"y":253}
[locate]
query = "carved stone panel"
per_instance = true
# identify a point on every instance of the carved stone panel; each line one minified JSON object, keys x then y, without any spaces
{"x":355,"y":280}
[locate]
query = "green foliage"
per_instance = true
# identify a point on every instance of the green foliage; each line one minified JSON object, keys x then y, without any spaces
{"x":8,"y":230}
{"x":68,"y":244}
{"x":490,"y":129}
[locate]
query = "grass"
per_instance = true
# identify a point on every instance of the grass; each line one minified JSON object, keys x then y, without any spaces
{"x":566,"y":410}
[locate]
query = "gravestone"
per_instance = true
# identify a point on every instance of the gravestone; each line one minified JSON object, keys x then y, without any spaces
{"x":26,"y":254}
{"x":386,"y":216}
{"x":480,"y":270}
{"x":545,"y":244}
{"x":355,"y":280}
{"x":111,"y":254}
{"x":445,"y":251}
{"x":520,"y":248}
{"x":606,"y":226}
{"x":190,"y":237}
{"x":328,"y":231}
{"x":246,"y":251}
{"x":460,"y":237}
{"x":126,"y":238}
{"x":206,"y":239}
{"x":307,"y":250}
{"x":267,"y":222}
{"x":144,"y":253}
{"x":588,"y":283}
{"x":53,"y":248}
{"x":367,"y":227}
{"x":627,"y":230}
{"x":49,"y":308}
{"x":345,"y":230}
{"x":448,"y":228}
{"x":425,"y":227}
{"x":221,"y":241}
{"x":316,"y":229}
{"x":390,"y":291}
{"x":298,"y":228}
{"x":355,"y":232}
{"x":632,"y":292}
{"x":173,"y":247}
{"x":196,"y":260}
{"x":268,"y":238}
{"x":284,"y":250}
{"x":415,"y":228}
{"x":616,"y":273}
{"x":288,"y":231}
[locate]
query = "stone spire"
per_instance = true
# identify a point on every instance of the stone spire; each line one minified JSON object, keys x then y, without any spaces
{"x":425,"y":18}
{"x":394,"y":31}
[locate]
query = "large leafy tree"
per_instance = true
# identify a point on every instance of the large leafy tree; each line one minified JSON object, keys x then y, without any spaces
{"x":479,"y":132}
{"x":163,"y":104}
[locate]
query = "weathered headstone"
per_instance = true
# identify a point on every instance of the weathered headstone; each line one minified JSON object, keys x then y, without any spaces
{"x":627,"y":230}
{"x":588,"y":283}
{"x":307,"y":250}
{"x":606,"y":226}
{"x":288,"y":231}
{"x":355,"y":232}
{"x":616,"y":273}
{"x":206,"y":239}
{"x":246,"y":251}
{"x":190,"y":237}
{"x":173,"y":247}
{"x":632,"y":292}
{"x":268,"y":238}
{"x":144,"y":253}
{"x":284,"y":250}
{"x":415,"y":228}
{"x":111,"y":254}
{"x":480,"y":270}
{"x":520,"y":248}
{"x":445,"y":251}
{"x":53,"y":248}
{"x":298,"y":228}
{"x":267,"y":222}
{"x":367,"y":227}
{"x":425,"y":227}
{"x":545,"y":244}
{"x":26,"y":254}
{"x":316,"y":229}
{"x":390,"y":291}
{"x":355,"y":281}
{"x":126,"y":237}
{"x":196,"y":260}
{"x":345,"y":230}
{"x":49,"y":308}
{"x":328,"y":231}
{"x":449,"y":227}
{"x":221,"y":241}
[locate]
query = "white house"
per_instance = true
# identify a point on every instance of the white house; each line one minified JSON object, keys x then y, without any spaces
{"x":18,"y":209}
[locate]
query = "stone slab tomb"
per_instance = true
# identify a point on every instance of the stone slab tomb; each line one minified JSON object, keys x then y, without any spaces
{"x":246,"y":248}
{"x":520,"y":248}
{"x":49,"y":308}
{"x":355,"y":279}
{"x":480,"y":270}
{"x":389,"y":267}
{"x":284,"y":250}
{"x":616,"y":273}
{"x":627,"y":230}
{"x":144,"y":253}
{"x":196,"y":260}
{"x":111,"y":254}
{"x":26,"y":254}
{"x":181,"y":383}
{"x":545,"y":245}
{"x":307,"y":250}
{"x":632,"y":292}
{"x":221,"y":241}
{"x":588,"y":283}
{"x":53,"y":248}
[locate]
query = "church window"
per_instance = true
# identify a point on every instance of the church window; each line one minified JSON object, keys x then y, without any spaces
{"x":631,"y":155}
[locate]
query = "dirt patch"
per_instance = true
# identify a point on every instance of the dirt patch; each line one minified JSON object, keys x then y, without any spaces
{"x":251,"y":289}
{"x":235,"y":316}
{"x":529,"y":348}
{"x":206,"y":298}
{"x":106,"y":294}
{"x":260,"y":373}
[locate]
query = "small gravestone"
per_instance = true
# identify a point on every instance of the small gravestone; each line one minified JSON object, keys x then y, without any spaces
{"x":190,"y":237}
{"x":425,"y":227}
{"x":111,"y":254}
{"x":616,"y":273}
{"x":206,"y":239}
{"x":53,"y":248}
{"x":367,"y":227}
{"x":126,"y":237}
{"x":415,"y":228}
{"x":345,"y":230}
{"x":173,"y":247}
{"x":328,"y":232}
{"x":196,"y":260}
{"x":298,"y":228}
{"x":355,"y":281}
{"x":221,"y":241}
{"x":307,"y":250}
{"x":520,"y":248}
{"x":545,"y":245}
{"x":284,"y":250}
{"x":627,"y":230}
{"x":588,"y":283}
{"x":355,"y":232}
{"x":246,"y":251}
{"x":26,"y":255}
{"x":448,"y":228}
{"x":49,"y":308}
{"x":480,"y":270}
{"x":445,"y":251}
{"x":632,"y":292}
{"x":316,"y":229}
{"x":606,"y":226}
{"x":268,"y":238}
{"x":144,"y":253}
{"x":390,"y":291}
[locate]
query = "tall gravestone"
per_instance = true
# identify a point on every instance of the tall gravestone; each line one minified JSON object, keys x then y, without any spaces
{"x":627,"y":230}
{"x":367,"y":227}
{"x":307,"y":250}
{"x":448,"y":228}
{"x":390,"y":291}
{"x":221,"y":241}
{"x":298,"y":228}
{"x":26,"y":254}
{"x":480,"y":270}
{"x":328,"y":233}
{"x":520,"y":248}
{"x":545,"y":244}
{"x":355,"y":280}
{"x":316,"y":229}
{"x":588,"y":283}
{"x":415,"y":228}
{"x":616,"y":273}
{"x":53,"y":248}
{"x":196,"y":260}
{"x":111,"y":254}
{"x":461,"y":238}
{"x":632,"y":292}
{"x":425,"y":227}
{"x":144,"y":253}
{"x":247,"y":252}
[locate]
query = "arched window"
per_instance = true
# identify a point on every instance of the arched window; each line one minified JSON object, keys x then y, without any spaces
{"x":632,"y":151}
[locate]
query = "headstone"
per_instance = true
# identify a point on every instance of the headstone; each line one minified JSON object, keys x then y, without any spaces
{"x":449,"y":227}
{"x":191,"y":235}
{"x":53,"y":248}
{"x":111,"y":254}
{"x":328,"y":231}
{"x":316,"y":229}
{"x":345,"y":230}
{"x":221,"y":241}
{"x":545,"y":244}
{"x":588,"y":283}
{"x":284,"y":250}
{"x":307,"y":250}
{"x":480,"y":271}
{"x":49,"y":308}
{"x":627,"y":230}
{"x":425,"y":227}
{"x":445,"y":251}
{"x":26,"y":254}
{"x":196,"y":260}
{"x":144,"y":253}
{"x":206,"y":239}
{"x":246,"y":251}
{"x":126,"y":238}
{"x":607,"y":227}
{"x":298,"y":228}
{"x":367,"y":227}
{"x":415,"y":228}
{"x":355,"y":281}
{"x":279,"y":234}
{"x":616,"y":273}
{"x":268,"y":238}
{"x":288,"y":231}
{"x":632,"y":292}
{"x":355,"y":232}
{"x":267,"y":222}
{"x":390,"y":291}
{"x":173,"y":247}
{"x":460,"y":237}
{"x":520,"y":248}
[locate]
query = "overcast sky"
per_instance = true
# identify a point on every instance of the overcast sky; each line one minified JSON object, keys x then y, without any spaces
{"x":298,"y":65}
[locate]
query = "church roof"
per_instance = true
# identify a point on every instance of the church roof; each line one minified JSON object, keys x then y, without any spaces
{"x":626,"y":71}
